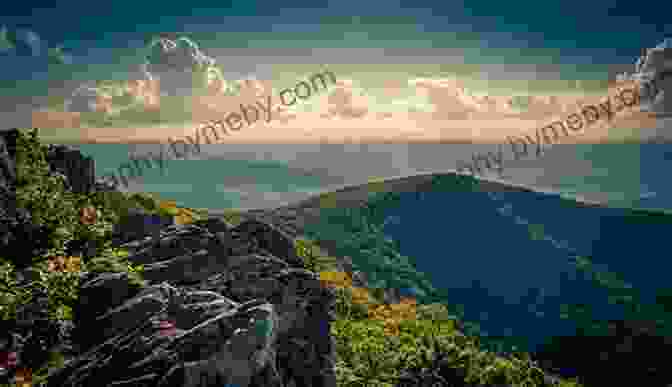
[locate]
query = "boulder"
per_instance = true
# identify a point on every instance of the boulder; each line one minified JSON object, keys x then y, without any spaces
{"x":7,"y":154}
{"x":206,"y":316}
{"x":159,"y":338}
{"x":220,"y":305}
{"x":78,"y":169}
{"x":138,"y":224}
{"x":271,"y":239}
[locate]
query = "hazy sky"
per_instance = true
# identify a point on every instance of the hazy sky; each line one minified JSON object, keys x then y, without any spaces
{"x":503,"y":48}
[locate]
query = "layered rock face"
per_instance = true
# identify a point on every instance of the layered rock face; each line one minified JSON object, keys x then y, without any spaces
{"x":78,"y":169}
{"x":7,"y":153}
{"x":221,"y":306}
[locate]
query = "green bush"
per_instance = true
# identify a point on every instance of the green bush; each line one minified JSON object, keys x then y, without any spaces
{"x":367,"y":355}
{"x":312,"y":256}
{"x":346,"y":308}
{"x":50,"y":204}
{"x":434,"y":311}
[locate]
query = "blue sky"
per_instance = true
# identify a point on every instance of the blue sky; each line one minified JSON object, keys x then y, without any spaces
{"x":610,"y":29}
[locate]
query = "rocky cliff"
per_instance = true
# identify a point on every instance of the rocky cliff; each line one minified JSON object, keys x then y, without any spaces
{"x":220,"y":304}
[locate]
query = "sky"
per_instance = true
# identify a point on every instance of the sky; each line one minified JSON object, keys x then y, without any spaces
{"x":406,"y":70}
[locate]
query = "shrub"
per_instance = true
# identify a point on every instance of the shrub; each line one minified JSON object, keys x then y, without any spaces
{"x":346,"y":308}
{"x":233,"y":217}
{"x":39,"y":285}
{"x":312,"y":256}
{"x":423,"y":353}
{"x":367,"y":353}
{"x":411,"y":343}
{"x":434,"y":311}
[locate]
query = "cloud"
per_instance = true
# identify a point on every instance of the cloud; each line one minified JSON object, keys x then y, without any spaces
{"x":451,"y":100}
{"x":176,"y":69}
{"x":28,"y":42}
{"x":409,"y":109}
{"x":178,"y":63}
{"x":83,"y":99}
{"x":653,"y":71}
{"x":180,"y":54}
{"x":345,"y":101}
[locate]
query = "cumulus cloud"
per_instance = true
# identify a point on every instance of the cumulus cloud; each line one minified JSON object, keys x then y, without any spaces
{"x":248,"y":90}
{"x":448,"y":96}
{"x":28,"y":42}
{"x":83,"y":99}
{"x":178,"y":64}
{"x":451,"y":100}
{"x":344,"y":101}
{"x":402,"y":108}
{"x":173,"y":68}
{"x":181,"y":53}
{"x":653,"y":70}
{"x":112,"y":97}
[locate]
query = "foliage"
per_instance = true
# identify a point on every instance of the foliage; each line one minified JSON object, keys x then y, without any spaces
{"x":312,"y":256}
{"x":43,"y":194}
{"x":367,"y":355}
{"x":233,"y":217}
{"x":416,"y":342}
{"x":358,"y":234}
{"x":347,"y":308}
{"x":434,"y":311}
{"x":49,"y":279}
{"x":376,"y":343}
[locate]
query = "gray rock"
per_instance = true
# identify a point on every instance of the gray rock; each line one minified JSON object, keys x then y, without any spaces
{"x":78,"y":169}
{"x":271,"y":239}
{"x":7,"y":164}
{"x":138,"y":224}
{"x":172,"y":245}
{"x":220,"y":344}
{"x":220,"y":304}
{"x":96,"y":296}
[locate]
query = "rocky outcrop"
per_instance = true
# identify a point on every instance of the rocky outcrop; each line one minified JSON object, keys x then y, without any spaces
{"x":221,"y":305}
{"x":7,"y":177}
{"x":7,"y":153}
{"x":77,"y":168}
{"x":220,"y":291}
{"x":217,"y":309}
{"x":138,"y":224}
